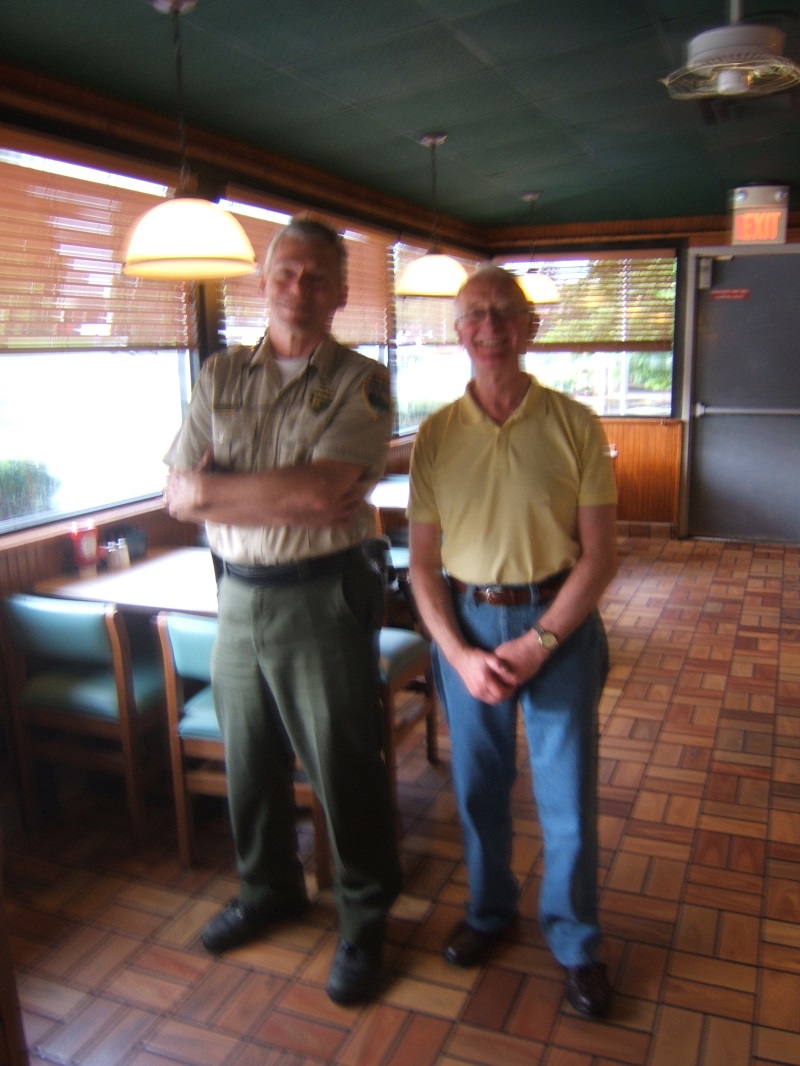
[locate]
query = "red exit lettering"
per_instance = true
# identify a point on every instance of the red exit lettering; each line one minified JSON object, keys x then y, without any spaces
{"x":757,"y":225}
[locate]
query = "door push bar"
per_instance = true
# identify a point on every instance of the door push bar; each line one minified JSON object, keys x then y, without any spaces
{"x":701,"y":409}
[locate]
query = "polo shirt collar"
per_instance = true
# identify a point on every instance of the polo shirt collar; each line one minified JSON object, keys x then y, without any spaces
{"x":471,"y":413}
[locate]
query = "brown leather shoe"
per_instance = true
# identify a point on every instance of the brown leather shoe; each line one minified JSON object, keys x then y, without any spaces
{"x":588,"y":989}
{"x":467,"y":946}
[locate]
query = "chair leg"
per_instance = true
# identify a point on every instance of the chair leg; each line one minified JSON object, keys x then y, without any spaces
{"x":133,"y":775}
{"x":431,"y":722}
{"x":390,"y":752}
{"x":183,"y":808}
{"x":322,"y":845}
{"x":27,"y":773}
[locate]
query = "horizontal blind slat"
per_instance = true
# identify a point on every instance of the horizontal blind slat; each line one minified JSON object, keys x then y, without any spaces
{"x":61,"y":282}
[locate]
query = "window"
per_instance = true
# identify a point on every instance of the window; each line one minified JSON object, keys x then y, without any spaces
{"x":431,"y":368}
{"x":94,"y":366}
{"x":609,"y":342}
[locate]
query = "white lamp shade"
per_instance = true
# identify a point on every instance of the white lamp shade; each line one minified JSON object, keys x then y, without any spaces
{"x":433,"y":274}
{"x":539,"y":288}
{"x":189,"y":239}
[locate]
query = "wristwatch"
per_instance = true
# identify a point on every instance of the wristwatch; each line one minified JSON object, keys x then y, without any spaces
{"x":548,"y":640}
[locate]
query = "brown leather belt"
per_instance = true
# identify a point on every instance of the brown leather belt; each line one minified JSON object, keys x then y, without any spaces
{"x":512,"y":595}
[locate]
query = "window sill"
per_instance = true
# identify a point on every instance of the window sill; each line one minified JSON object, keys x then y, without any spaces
{"x":113,"y":516}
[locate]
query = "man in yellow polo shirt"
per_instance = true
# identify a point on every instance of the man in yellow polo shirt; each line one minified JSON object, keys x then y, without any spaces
{"x":513,"y":540}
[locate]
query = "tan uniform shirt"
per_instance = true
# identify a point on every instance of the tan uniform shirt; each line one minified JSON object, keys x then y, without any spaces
{"x":337,"y":407}
{"x":507,"y":497}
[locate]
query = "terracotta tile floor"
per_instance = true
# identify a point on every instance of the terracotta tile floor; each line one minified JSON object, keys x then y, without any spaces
{"x":700,"y":874}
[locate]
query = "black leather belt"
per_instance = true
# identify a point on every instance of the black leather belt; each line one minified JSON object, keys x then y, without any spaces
{"x":513,"y":595}
{"x":292,"y":573}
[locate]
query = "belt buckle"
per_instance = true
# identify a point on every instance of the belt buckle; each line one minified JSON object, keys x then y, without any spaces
{"x":493,"y":594}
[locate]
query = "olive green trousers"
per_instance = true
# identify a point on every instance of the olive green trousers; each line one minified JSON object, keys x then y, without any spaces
{"x":295,"y":669}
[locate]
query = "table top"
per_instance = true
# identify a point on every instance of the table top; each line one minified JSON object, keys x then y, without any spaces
{"x":174,"y":579}
{"x":391,"y":493}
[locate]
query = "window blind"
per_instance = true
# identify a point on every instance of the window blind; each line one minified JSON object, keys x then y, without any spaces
{"x":63,"y":231}
{"x":623,"y":301}
{"x":425,"y":319}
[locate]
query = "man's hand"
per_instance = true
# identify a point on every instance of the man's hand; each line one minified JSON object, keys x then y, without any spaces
{"x":343,"y":508}
{"x":484,"y":673}
{"x":182,"y":489}
{"x":524,"y":657}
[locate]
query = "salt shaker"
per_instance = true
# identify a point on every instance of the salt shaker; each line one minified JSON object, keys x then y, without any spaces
{"x":123,"y":555}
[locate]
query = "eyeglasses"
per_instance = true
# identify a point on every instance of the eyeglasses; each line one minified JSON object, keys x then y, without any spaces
{"x":500,"y":314}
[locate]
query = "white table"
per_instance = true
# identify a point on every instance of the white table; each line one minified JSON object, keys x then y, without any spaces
{"x":174,"y":579}
{"x":391,"y":493}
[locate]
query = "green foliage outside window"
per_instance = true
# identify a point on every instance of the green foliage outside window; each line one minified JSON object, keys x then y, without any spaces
{"x":26,"y":488}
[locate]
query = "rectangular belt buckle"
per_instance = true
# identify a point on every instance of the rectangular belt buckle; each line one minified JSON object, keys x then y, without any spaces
{"x":493,"y":594}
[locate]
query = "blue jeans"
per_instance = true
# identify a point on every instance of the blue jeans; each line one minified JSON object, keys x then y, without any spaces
{"x":560,"y":709}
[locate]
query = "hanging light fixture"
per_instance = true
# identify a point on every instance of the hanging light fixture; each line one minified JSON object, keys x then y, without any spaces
{"x":434,"y":273}
{"x":538,"y":287}
{"x":186,"y":237}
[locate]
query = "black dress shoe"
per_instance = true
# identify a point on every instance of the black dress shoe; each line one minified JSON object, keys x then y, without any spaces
{"x":588,"y":989}
{"x":356,"y":975}
{"x":468,"y":946}
{"x":237,"y":923}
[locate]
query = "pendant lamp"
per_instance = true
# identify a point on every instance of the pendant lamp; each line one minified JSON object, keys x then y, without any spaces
{"x":538,"y":288}
{"x":434,"y":273}
{"x":187,"y":237}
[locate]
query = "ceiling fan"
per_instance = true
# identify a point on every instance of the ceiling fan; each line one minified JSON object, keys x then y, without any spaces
{"x":737,"y":61}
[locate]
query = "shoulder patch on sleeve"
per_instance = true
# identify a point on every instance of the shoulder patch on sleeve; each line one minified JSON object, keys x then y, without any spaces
{"x":376,"y":393}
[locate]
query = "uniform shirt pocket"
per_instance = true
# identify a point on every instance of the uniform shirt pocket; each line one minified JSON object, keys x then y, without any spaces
{"x":234,"y":435}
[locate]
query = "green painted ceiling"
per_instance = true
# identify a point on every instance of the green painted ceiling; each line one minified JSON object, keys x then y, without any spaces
{"x":562,"y":97}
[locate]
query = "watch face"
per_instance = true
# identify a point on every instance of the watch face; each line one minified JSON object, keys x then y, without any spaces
{"x":548,"y":640}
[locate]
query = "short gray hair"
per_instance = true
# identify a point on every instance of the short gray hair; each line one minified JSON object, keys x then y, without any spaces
{"x":309,"y":228}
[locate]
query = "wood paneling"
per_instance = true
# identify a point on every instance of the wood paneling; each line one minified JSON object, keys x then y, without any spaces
{"x":648,"y":467}
{"x":399,"y":455}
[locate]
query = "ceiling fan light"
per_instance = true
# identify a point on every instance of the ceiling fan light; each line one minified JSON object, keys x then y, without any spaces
{"x":734,"y":81}
{"x":539,"y":288}
{"x":433,"y":274}
{"x":736,"y":60}
{"x":190,"y":239}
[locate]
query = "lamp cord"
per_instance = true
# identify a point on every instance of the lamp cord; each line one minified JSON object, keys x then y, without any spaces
{"x":176,"y":41}
{"x":434,"y":199}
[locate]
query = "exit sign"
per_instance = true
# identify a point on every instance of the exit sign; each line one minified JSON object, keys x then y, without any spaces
{"x":760,"y":214}
{"x":760,"y":226}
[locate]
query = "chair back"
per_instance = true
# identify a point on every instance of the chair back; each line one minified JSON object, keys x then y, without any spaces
{"x":190,"y":643}
{"x":78,"y":697}
{"x":50,"y":629}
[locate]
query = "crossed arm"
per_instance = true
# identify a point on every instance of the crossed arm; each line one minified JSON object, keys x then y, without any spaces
{"x":325,"y":493}
{"x":494,"y":675}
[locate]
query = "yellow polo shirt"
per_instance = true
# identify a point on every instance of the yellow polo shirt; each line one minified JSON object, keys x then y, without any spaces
{"x":507,"y":497}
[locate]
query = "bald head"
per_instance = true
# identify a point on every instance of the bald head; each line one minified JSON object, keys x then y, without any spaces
{"x":498,"y":279}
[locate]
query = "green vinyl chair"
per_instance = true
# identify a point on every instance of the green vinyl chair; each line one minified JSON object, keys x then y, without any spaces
{"x":80,"y":697}
{"x":407,"y":696}
{"x":197,"y":751}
